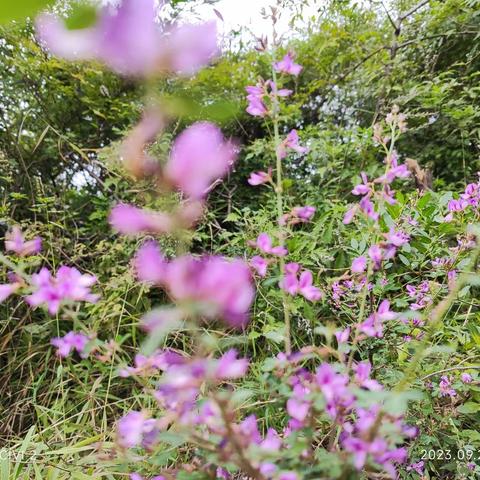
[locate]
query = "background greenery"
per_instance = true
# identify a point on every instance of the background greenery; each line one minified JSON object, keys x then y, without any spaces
{"x":60,"y":124}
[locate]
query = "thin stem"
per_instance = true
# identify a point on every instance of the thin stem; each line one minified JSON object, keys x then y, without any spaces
{"x":243,"y":461}
{"x":279,"y":194}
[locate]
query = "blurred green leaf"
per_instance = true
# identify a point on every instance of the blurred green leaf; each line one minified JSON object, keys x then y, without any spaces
{"x":20,"y":10}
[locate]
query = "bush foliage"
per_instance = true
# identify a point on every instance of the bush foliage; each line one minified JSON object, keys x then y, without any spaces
{"x":410,"y":67}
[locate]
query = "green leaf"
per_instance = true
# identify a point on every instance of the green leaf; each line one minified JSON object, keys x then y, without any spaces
{"x":82,"y":16}
{"x":469,"y":407}
{"x":21,"y":10}
{"x":172,"y":438}
{"x":276,"y":336}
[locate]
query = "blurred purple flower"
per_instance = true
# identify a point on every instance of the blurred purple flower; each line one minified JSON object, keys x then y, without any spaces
{"x":129,"y":41}
{"x":199,"y":156}
{"x":135,"y":429}
{"x":15,"y":242}
{"x":291,"y":142}
{"x":373,"y":325}
{"x":130,"y":220}
{"x":68,"y":285}
{"x":359,"y":264}
{"x":264,"y":244}
{"x":260,"y":265}
{"x":287,"y":65}
{"x":71,"y":341}
{"x":259,"y":178}
{"x":7,"y":289}
{"x":217,"y":286}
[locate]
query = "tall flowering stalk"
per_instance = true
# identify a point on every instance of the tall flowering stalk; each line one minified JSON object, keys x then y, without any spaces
{"x":264,"y":100}
{"x":280,"y":208}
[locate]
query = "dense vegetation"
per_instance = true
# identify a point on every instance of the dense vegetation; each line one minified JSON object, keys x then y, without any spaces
{"x":410,"y":68}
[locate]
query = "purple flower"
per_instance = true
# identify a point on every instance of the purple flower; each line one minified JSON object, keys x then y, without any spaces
{"x":229,"y":367}
{"x":260,"y":265}
{"x":445,"y":387}
{"x":215,"y":285}
{"x":199,"y":156}
{"x":129,"y":41}
{"x":466,"y":378}
{"x":158,"y":361}
{"x":135,"y":429}
{"x":222,"y":474}
{"x":397,"y":238}
{"x":287,"y":65}
{"x":7,"y":289}
{"x":291,"y":142}
{"x":259,"y":178}
{"x":362,"y":188}
{"x":272,"y":441}
{"x":416,"y":467}
{"x":334,"y":387}
{"x":298,"y":215}
{"x":359,"y":264}
{"x":249,"y":429}
{"x":349,"y":215}
{"x":376,"y":255}
{"x":288,"y":476}
{"x":362,"y":376}
{"x":394,"y":170}
{"x":457,"y":205}
{"x":303,"y":285}
{"x":264,"y":244}
{"x":188,"y":48}
{"x":71,"y":341}
{"x":150,"y":264}
{"x":367,"y":207}
{"x":342,"y":336}
{"x":304,"y":213}
{"x":15,"y":242}
{"x":306,"y":287}
{"x":130,"y":220}
{"x":256,"y":106}
{"x":298,"y":408}
{"x":267,"y":469}
{"x":359,"y":449}
{"x":68,"y":285}
{"x":373,"y":325}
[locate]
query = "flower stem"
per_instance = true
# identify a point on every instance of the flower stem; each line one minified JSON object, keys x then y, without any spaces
{"x":279,"y":194}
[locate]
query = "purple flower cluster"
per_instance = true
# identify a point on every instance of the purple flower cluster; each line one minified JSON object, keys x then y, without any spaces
{"x":200,"y":156}
{"x":367,"y":190}
{"x":15,"y":242}
{"x":260,"y":97}
{"x":178,"y":392}
{"x":70,"y":342}
{"x":210,"y":285}
{"x":69,"y":285}
{"x":469,"y":199}
{"x":420,"y":295}
{"x":129,"y":41}
{"x":294,"y":284}
{"x":362,"y":434}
